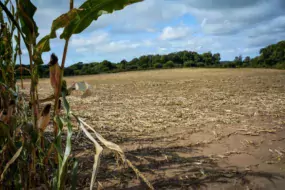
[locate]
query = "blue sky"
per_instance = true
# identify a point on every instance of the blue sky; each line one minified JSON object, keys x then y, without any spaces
{"x":163,"y":26}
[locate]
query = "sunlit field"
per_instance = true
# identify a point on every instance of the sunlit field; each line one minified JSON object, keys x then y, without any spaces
{"x":186,"y":128}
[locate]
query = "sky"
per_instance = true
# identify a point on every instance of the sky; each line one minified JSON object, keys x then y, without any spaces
{"x":230,"y":27}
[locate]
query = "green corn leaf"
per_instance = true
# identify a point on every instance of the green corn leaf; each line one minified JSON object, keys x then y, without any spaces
{"x":91,"y":10}
{"x":74,"y":175}
{"x":29,"y":27}
{"x":65,"y":103}
{"x":63,"y":21}
{"x":63,"y":166}
{"x":54,"y":183}
{"x":44,"y":44}
{"x":77,"y":20}
{"x":57,"y":143}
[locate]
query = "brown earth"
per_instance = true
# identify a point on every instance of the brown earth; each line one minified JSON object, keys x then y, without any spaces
{"x":186,"y":128}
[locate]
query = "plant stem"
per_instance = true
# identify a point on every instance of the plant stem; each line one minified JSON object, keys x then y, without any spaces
{"x":56,"y":103}
{"x":20,"y":58}
{"x":71,"y":4}
{"x":33,"y":91}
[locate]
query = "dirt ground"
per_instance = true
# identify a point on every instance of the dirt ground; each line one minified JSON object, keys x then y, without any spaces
{"x":186,"y":128}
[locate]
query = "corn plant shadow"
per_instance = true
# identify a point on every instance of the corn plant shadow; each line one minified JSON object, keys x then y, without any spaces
{"x":168,"y":168}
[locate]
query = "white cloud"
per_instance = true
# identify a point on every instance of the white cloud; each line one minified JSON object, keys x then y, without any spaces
{"x":118,"y":46}
{"x":94,"y":38}
{"x":171,"y":33}
{"x":162,"y":49}
{"x":152,"y":26}
{"x":24,"y":51}
{"x":101,"y":42}
{"x":82,"y":49}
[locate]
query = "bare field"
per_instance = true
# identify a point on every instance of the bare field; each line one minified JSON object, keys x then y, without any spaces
{"x":186,"y":128}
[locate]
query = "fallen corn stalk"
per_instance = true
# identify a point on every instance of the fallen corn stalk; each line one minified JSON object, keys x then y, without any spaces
{"x":109,"y":145}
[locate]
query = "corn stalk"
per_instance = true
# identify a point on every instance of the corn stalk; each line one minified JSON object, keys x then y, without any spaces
{"x":25,"y":149}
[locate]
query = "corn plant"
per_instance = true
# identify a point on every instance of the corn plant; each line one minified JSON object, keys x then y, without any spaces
{"x":29,"y":157}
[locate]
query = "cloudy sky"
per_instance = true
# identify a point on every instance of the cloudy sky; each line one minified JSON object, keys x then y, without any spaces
{"x":230,"y":27}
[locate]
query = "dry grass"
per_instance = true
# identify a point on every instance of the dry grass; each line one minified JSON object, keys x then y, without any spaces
{"x":187,"y":128}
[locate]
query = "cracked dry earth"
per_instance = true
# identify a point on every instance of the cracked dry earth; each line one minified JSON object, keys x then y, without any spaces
{"x":186,"y":128}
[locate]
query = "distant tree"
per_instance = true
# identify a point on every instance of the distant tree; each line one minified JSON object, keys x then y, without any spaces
{"x":106,"y":66}
{"x":207,"y":57}
{"x":77,"y":72}
{"x":216,"y":58}
{"x":68,"y":72}
{"x":280,"y":65}
{"x":238,"y":61}
{"x":123,"y":64}
{"x":201,"y":64}
{"x":143,"y":62}
{"x":155,"y":59}
{"x":157,"y":65}
{"x":168,"y":64}
{"x":197,"y":57}
{"x":246,"y":61}
{"x":190,"y":64}
{"x":134,"y":61}
{"x":163,"y":59}
{"x":185,"y":56}
{"x":254,"y":62}
{"x":272,"y":56}
{"x":176,"y":59}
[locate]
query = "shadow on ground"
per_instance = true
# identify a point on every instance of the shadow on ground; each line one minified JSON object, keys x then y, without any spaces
{"x":168,"y":168}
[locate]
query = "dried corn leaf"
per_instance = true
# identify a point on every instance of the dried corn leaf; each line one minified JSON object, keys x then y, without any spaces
{"x":108,"y":144}
{"x":98,"y":150}
{"x":116,"y":148}
{"x":14,"y":158}
{"x":44,"y":117}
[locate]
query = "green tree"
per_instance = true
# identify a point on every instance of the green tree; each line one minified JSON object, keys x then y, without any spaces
{"x":238,"y":61}
{"x":197,"y":57}
{"x":106,"y":66}
{"x":162,"y":59}
{"x":190,"y":64}
{"x":201,"y":64}
{"x":168,"y":64}
{"x":123,"y":64}
{"x":207,"y":57}
{"x":246,"y":61}
{"x":157,"y":65}
{"x":176,"y":59}
{"x":216,"y":58}
{"x":143,"y":62}
{"x":185,"y":56}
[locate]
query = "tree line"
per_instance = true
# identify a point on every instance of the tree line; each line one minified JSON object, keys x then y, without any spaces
{"x":272,"y":56}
